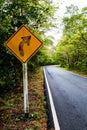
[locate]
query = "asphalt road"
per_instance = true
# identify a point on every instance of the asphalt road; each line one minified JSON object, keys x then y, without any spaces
{"x":69,"y":92}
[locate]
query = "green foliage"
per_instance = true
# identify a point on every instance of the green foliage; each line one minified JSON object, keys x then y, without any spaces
{"x":37,"y":15}
{"x":71,"y":50}
{"x":38,"y":125}
{"x":29,"y":129}
{"x":6,"y":104}
{"x":34,"y":115}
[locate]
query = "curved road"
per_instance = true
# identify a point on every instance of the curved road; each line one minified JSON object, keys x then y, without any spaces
{"x":69,"y":92}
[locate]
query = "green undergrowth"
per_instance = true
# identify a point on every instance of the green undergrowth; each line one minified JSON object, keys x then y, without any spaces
{"x":12,"y":106}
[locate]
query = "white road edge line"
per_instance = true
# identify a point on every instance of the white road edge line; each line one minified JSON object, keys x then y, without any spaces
{"x":55,"y":119}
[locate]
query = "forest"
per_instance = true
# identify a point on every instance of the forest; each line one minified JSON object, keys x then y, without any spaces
{"x":37,"y":16}
{"x":69,"y":52}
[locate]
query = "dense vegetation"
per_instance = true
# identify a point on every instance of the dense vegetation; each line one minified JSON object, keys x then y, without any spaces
{"x":71,"y":51}
{"x":12,"y":106}
{"x":38,"y":16}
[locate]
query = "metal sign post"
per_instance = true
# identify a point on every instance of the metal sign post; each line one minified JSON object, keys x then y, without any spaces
{"x":25,"y":85}
{"x":24,"y":44}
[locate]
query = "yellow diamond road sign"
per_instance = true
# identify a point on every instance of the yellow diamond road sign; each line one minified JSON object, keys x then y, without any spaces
{"x":23,"y":44}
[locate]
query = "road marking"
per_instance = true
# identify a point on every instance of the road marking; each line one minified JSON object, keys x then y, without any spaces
{"x":55,"y":119}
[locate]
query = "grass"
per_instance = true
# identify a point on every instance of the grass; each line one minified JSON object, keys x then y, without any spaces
{"x":12,"y":106}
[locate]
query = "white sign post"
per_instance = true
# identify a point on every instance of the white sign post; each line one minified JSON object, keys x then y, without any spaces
{"x":24,"y":44}
{"x":25,"y":85}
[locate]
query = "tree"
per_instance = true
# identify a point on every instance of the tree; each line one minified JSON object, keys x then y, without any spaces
{"x":74,"y":41}
{"x":37,"y":15}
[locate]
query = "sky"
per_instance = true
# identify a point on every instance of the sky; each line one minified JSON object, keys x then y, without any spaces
{"x":63,"y":3}
{"x":60,"y":13}
{"x":79,"y":3}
